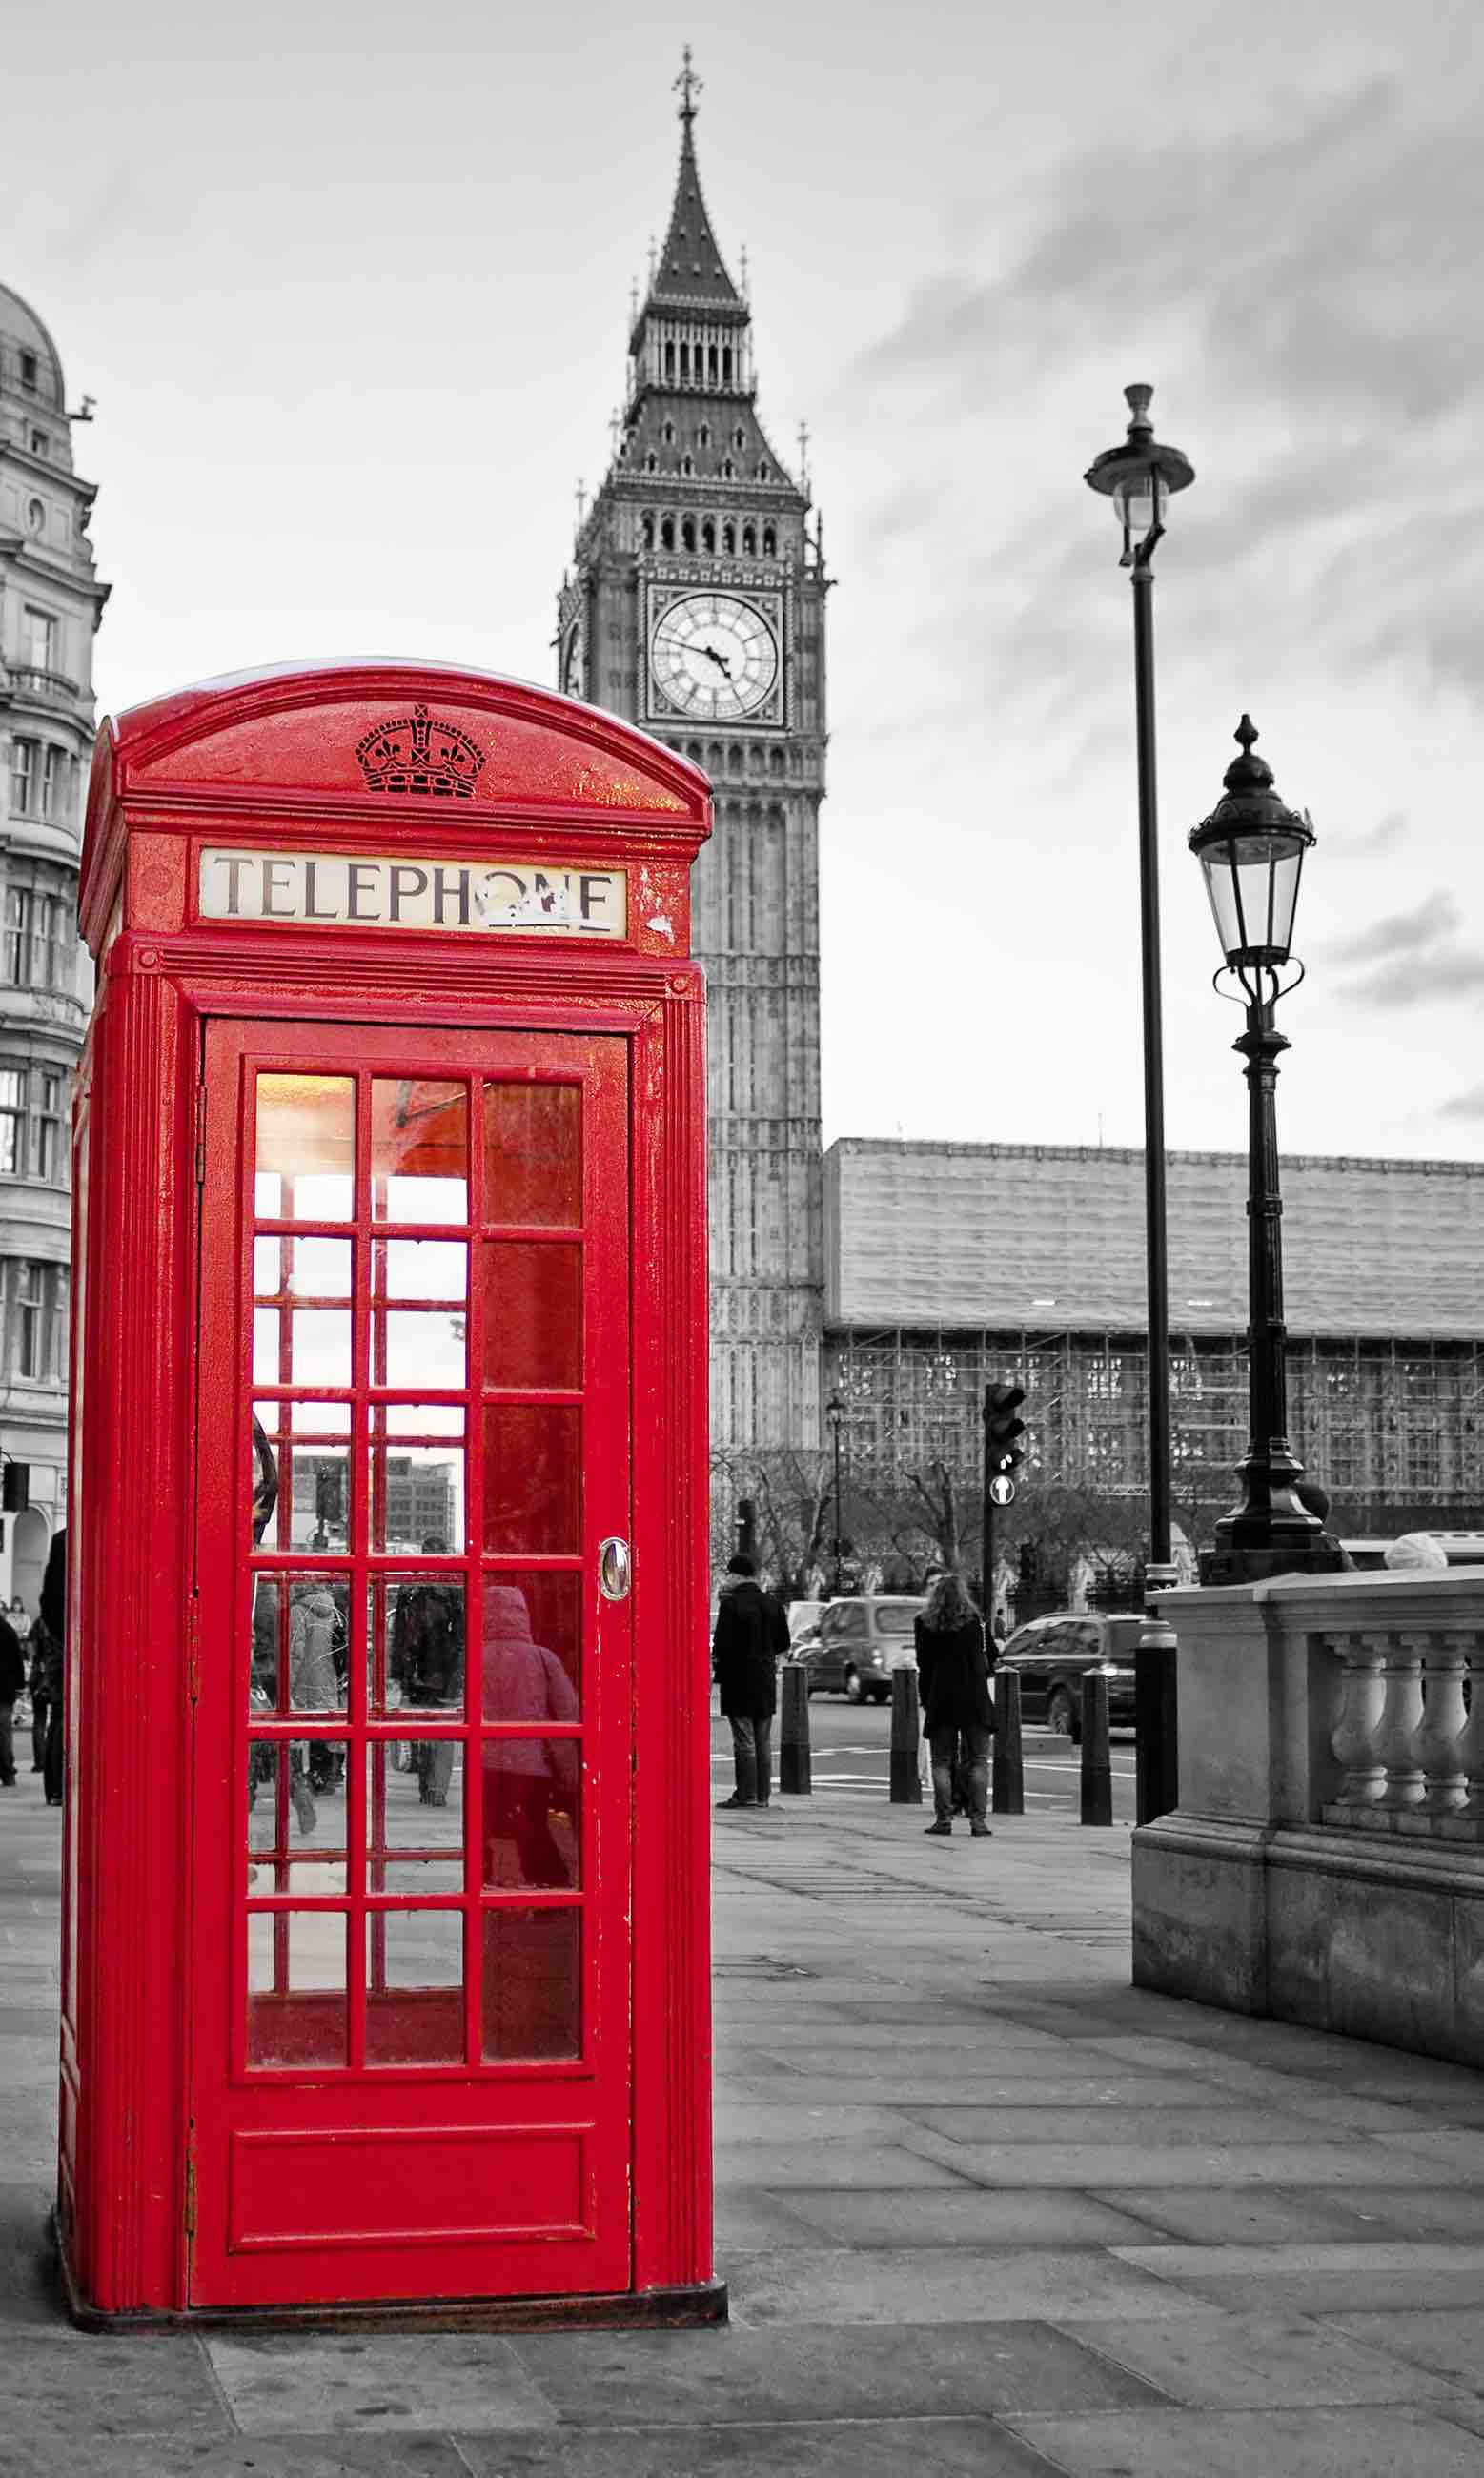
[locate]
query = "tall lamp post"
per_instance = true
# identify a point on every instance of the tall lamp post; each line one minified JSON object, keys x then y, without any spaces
{"x":1141,"y":477}
{"x":1251,"y":848}
{"x":835,"y":1414}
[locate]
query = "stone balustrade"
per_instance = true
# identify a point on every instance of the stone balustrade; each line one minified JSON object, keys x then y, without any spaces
{"x":1325,"y":1862}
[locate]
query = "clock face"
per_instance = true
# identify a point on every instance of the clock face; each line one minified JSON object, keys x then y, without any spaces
{"x":714,"y":656}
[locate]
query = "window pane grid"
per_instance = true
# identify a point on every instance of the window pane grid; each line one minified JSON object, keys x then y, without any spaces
{"x":366,"y":1445}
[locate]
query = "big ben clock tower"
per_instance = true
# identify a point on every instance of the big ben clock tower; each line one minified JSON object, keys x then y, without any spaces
{"x":695,"y":607}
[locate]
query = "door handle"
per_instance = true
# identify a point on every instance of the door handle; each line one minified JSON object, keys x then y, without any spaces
{"x":613,"y":1570}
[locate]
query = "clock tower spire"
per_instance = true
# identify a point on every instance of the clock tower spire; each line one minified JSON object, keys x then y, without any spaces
{"x":695,"y":607}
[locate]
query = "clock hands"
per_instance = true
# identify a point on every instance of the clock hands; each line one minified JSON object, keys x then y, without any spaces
{"x":721,"y":661}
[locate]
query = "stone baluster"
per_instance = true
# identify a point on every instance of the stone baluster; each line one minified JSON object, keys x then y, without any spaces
{"x":1401,"y":1715}
{"x":1439,"y":1740}
{"x":1354,"y":1741}
{"x":1471,"y":1743}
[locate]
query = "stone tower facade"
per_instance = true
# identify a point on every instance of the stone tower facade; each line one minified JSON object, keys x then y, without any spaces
{"x":695,"y":607}
{"x":50,"y":603}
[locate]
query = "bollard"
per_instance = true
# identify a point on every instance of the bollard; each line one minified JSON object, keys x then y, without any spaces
{"x":1009,"y":1762}
{"x":794,"y":1768}
{"x":906,"y":1784}
{"x":1097,"y":1756}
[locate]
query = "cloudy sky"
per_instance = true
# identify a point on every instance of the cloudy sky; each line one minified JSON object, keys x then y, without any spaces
{"x":350,"y":283}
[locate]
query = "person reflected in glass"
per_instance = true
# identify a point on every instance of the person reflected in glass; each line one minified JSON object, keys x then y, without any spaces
{"x":426,"y":1659}
{"x":314,"y":1686}
{"x":529,"y":1778}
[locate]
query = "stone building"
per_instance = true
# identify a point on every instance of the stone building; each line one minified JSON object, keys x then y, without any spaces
{"x":695,"y":607}
{"x":950,"y":1266}
{"x":50,"y":603}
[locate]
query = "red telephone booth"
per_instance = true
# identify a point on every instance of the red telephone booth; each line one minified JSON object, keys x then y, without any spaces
{"x":385,"y":1933}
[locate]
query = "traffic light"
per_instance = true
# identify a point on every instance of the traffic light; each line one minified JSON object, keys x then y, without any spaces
{"x":1001,"y":1427}
{"x":16,"y":1486}
{"x":746,"y":1527}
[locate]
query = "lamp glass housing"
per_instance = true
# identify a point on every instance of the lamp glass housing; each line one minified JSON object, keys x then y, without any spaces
{"x":1252,"y":880}
{"x":1140,"y":500}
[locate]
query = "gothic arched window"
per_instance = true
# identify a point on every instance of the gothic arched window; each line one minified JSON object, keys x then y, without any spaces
{"x":726,"y":364}
{"x":750,"y":538}
{"x":762,"y":473}
{"x":703,"y":435}
{"x":708,"y":535}
{"x":687,"y":465}
{"x":669,"y":361}
{"x":648,"y":531}
{"x":651,"y":463}
{"x":728,"y":469}
{"x":729,"y":536}
{"x":739,"y":438}
{"x":668,"y":534}
{"x":711,"y":364}
{"x":687,"y":532}
{"x":685,"y":361}
{"x":667,"y":434}
{"x":770,"y":542}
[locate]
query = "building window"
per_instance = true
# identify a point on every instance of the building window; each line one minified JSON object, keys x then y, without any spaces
{"x":688,"y":466}
{"x":703,"y":435}
{"x":28,"y":373}
{"x":35,"y":1306}
{"x":739,"y":438}
{"x":13,"y":1120}
{"x":669,"y":361}
{"x":36,"y":515}
{"x":667,"y":434}
{"x":17,"y":937}
{"x":770,"y":542}
{"x":729,"y":536}
{"x":707,"y":535}
{"x":50,"y":944}
{"x":687,"y":534}
{"x":750,"y":538}
{"x":651,"y":463}
{"x":726,"y":364}
{"x":39,"y":443}
{"x":24,"y":755}
{"x":647,"y":531}
{"x":667,"y":533}
{"x":50,"y":1152}
{"x":763,"y":472}
{"x":39,"y":637}
{"x":53,"y":775}
{"x":728,"y":469}
{"x":711,"y":364}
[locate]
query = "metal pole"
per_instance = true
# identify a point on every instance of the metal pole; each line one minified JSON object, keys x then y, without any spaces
{"x":835,"y":1424}
{"x":988,"y":1551}
{"x":1157,"y":1756}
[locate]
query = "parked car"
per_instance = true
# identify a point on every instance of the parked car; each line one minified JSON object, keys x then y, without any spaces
{"x":1051,"y":1657}
{"x":860,"y":1643}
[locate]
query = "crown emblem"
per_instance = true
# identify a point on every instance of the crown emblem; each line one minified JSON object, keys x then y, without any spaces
{"x":419,"y":752}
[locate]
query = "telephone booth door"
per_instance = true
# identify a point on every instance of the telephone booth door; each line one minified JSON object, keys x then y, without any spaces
{"x":410,"y":2039}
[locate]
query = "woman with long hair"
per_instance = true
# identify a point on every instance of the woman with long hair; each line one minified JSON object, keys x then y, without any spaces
{"x":953,"y":1668}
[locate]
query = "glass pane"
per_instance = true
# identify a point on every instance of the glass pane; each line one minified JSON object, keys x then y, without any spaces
{"x":533,"y":1491}
{"x":529,"y":1663}
{"x":415,"y":1643}
{"x":301,"y":1632}
{"x":297,"y":2007}
{"x":300,"y":1482}
{"x":532,"y":1812}
{"x":533,"y":1154}
{"x":413,"y":1844}
{"x":416,"y":1479}
{"x":419,"y":1347}
{"x":419,"y":1152}
{"x":532,"y":1984}
{"x":306,"y":1154}
{"x":415,"y":1987}
{"x":301,"y":1347}
{"x":301,"y":1269}
{"x":533,"y":1313}
{"x":295,"y":1839}
{"x":420,"y":1268}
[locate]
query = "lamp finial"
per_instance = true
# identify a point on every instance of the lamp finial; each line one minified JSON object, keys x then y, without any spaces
{"x":1138,"y":399}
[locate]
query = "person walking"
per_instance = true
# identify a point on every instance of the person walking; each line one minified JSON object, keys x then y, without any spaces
{"x":40,"y":1701}
{"x":953,"y":1671}
{"x":751,"y":1635}
{"x":13,"y":1678}
{"x":54,"y":1617}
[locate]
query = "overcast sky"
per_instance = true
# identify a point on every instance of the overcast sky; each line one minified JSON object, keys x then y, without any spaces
{"x":350,"y":286}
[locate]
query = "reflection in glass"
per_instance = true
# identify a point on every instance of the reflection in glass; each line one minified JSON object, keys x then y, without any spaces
{"x":303,"y":1347}
{"x":532,"y":1813}
{"x":531,"y":1626}
{"x":420,"y":1268}
{"x":410,"y":1845}
{"x":530,"y":1993}
{"x":414,"y":1645}
{"x":304,"y":1443}
{"x":300,"y":1637}
{"x":533,"y":1154}
{"x":419,"y":1347}
{"x":292,"y":1267}
{"x":305,"y":1153}
{"x":297,"y":2006}
{"x":416,"y":1488}
{"x":533,"y":1313}
{"x":533,"y":1495}
{"x":415,"y":1987}
{"x":419,"y":1152}
{"x":296,"y":1840}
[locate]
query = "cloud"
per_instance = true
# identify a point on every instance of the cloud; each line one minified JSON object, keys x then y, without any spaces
{"x":1464,"y":1105}
{"x":1402,"y":933}
{"x":1366,"y":842}
{"x":1417,"y":979}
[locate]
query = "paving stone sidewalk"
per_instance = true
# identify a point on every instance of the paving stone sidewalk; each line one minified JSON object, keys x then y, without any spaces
{"x":982,"y":2209}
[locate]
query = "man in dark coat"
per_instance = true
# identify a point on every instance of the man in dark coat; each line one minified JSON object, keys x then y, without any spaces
{"x":13,"y":1678}
{"x":752,"y":1633}
{"x":54,"y":1617}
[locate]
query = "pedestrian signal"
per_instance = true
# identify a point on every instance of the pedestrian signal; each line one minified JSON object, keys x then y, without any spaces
{"x":1001,"y":1427}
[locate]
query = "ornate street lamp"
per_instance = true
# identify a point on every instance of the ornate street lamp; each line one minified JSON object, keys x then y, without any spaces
{"x":835,"y":1414}
{"x":1251,"y":849}
{"x":1141,"y":477}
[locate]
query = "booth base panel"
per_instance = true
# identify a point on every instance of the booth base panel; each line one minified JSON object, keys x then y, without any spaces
{"x":629,"y":2310}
